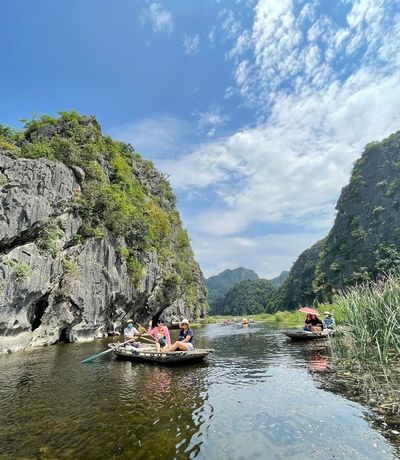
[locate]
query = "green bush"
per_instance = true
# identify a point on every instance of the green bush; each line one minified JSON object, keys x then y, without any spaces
{"x":71,"y":268}
{"x":135,"y":270}
{"x":20,"y":270}
{"x":49,"y":238}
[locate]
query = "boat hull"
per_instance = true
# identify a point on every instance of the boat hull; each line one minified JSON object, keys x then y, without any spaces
{"x":158,"y":357}
{"x":304,"y":335}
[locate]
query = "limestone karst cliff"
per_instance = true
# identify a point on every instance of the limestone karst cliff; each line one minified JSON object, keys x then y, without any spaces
{"x":89,"y":236}
{"x":364,"y":242}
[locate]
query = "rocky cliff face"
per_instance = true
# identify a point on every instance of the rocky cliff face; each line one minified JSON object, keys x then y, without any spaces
{"x":86,"y":244}
{"x":364,"y":241}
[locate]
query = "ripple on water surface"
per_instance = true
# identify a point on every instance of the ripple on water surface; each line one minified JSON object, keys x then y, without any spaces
{"x":255,"y":398}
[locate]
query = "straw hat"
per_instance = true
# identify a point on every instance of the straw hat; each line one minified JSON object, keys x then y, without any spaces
{"x":129,"y":321}
{"x":327,"y":313}
{"x":184,"y":321}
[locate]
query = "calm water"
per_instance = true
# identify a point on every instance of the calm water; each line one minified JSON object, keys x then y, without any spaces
{"x":256,"y":398}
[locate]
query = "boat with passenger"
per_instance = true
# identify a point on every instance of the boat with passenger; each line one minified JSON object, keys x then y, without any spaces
{"x":308,"y":335}
{"x":148,"y":354}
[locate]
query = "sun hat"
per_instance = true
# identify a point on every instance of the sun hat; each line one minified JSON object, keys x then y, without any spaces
{"x":185,"y":321}
{"x":129,"y":321}
{"x":327,"y":313}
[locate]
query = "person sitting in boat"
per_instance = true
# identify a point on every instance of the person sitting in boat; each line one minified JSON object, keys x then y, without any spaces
{"x":185,"y":341}
{"x":130,"y":332}
{"x":313,"y":324}
{"x":329,"y":320}
{"x":161,"y":334}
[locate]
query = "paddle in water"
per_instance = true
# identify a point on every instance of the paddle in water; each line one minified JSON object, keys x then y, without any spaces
{"x":92,"y":358}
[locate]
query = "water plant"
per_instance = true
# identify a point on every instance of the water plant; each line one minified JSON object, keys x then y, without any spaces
{"x":371,"y":310}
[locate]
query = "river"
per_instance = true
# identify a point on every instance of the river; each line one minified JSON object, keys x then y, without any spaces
{"x":256,"y":397}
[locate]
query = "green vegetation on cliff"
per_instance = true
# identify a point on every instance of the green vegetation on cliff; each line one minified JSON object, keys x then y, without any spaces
{"x":120,"y":192}
{"x":365,"y":239}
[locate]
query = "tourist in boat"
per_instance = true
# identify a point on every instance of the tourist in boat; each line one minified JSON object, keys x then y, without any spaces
{"x":185,"y":341}
{"x":313,"y":323}
{"x":161,"y":334}
{"x":329,"y":320}
{"x":130,"y":332}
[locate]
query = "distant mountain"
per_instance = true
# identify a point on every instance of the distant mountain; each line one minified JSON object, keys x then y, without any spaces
{"x":279,"y":280}
{"x":219,"y":285}
{"x":249,"y":297}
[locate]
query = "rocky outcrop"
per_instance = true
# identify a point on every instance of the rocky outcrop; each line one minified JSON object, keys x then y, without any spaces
{"x":364,"y":241}
{"x":56,"y":285}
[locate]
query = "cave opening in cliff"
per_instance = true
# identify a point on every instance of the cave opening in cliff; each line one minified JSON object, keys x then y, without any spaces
{"x":38,"y":311}
{"x":64,"y":335}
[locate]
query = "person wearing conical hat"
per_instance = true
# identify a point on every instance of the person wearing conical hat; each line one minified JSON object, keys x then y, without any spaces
{"x":329,"y":320}
{"x":130,"y":331}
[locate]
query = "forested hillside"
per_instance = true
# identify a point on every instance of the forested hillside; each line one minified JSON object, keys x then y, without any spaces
{"x":219,"y":285}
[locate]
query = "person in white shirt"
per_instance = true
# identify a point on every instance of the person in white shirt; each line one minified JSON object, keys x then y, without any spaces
{"x":130,"y":331}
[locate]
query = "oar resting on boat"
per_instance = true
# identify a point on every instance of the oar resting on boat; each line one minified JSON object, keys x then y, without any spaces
{"x":92,"y":358}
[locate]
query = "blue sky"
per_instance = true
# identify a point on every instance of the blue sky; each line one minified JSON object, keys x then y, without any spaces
{"x":256,"y":109}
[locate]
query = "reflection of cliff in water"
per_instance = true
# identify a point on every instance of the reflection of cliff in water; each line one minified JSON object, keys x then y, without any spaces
{"x":54,"y":408}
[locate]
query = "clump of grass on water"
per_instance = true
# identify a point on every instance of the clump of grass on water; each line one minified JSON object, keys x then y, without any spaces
{"x":372,"y":313}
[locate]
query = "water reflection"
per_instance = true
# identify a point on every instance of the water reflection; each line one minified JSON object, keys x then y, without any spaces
{"x":256,"y":397}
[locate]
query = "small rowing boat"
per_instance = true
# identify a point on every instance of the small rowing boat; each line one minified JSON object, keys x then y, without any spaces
{"x":149,"y":355}
{"x":306,"y":335}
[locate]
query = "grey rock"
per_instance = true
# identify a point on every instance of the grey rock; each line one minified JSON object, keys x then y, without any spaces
{"x":82,"y":290}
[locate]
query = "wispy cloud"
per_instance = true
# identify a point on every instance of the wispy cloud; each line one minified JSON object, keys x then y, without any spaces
{"x":324,"y":90}
{"x":191,"y":44}
{"x":161,"y":19}
{"x":210,"y":121}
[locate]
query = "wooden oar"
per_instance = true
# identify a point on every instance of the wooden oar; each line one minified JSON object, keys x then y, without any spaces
{"x":92,"y":358}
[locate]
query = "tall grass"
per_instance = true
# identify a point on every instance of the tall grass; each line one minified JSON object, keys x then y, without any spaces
{"x":372,"y":313}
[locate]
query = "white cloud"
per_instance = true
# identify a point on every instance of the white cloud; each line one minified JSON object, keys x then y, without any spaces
{"x":160,"y":18}
{"x":191,"y":44}
{"x":322,"y":90}
{"x":210,"y":121}
{"x":291,"y":168}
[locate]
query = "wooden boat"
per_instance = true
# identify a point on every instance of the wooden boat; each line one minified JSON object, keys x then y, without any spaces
{"x":306,"y":335}
{"x":149,"y":355}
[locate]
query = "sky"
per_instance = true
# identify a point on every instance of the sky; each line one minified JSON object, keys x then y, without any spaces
{"x":255,"y":109}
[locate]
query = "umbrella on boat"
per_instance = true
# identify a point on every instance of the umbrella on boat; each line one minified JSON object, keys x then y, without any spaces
{"x":308,"y":310}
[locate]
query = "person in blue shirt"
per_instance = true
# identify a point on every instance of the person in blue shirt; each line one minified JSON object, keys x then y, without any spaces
{"x":185,"y":341}
{"x":329,"y":321}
